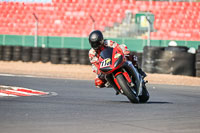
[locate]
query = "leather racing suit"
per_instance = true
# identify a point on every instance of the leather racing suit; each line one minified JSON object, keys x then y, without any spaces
{"x":94,"y":55}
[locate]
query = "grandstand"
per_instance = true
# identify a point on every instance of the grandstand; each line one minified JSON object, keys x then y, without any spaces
{"x":74,"y":18}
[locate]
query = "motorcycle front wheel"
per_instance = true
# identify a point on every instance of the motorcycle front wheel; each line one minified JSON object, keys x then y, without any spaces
{"x":126,"y":89}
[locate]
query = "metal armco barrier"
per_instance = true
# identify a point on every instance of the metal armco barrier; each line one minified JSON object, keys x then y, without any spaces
{"x":168,"y":61}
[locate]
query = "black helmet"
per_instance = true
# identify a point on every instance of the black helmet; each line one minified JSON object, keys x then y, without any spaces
{"x":96,"y":39}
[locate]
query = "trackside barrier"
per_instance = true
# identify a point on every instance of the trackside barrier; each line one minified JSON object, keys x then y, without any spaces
{"x":82,"y":42}
{"x":170,"y":60}
{"x":164,"y":60}
{"x":197,"y":65}
{"x":53,"y":55}
{"x":1,"y":51}
{"x":36,"y":54}
{"x":7,"y":53}
{"x":17,"y":53}
{"x":151,"y":58}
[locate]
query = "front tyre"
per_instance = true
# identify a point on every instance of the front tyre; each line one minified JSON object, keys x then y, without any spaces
{"x":126,"y":89}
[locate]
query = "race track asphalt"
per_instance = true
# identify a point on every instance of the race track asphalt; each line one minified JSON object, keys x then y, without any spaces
{"x":76,"y":106}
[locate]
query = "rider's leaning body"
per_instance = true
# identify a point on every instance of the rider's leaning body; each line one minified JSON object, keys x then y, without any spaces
{"x":98,"y":44}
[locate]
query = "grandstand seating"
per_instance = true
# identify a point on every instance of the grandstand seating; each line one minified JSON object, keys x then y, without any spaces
{"x":173,"y":20}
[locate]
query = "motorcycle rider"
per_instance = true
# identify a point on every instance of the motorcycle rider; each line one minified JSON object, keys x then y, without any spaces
{"x":98,"y":43}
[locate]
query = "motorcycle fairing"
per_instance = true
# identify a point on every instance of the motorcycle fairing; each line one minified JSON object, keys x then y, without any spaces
{"x":110,"y":60}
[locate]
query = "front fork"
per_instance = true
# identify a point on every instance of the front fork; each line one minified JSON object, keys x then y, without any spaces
{"x":111,"y":79}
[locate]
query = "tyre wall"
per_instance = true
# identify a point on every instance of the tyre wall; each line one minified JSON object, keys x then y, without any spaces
{"x":37,"y":54}
{"x":197,"y":65}
{"x":52,"y":55}
{"x":164,"y":60}
{"x":168,"y":60}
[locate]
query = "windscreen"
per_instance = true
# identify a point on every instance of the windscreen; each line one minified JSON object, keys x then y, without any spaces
{"x":106,"y":53}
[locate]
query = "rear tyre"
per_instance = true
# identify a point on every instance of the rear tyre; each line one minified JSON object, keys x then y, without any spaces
{"x":145,"y":95}
{"x":126,"y":89}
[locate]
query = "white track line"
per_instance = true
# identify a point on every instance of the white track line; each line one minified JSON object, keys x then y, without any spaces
{"x":13,"y":75}
{"x":31,"y":76}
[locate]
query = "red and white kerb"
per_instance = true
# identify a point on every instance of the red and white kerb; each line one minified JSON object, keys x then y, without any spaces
{"x":19,"y":91}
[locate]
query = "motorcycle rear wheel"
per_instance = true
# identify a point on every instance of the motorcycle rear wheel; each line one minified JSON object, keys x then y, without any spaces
{"x":145,"y":94}
{"x":126,"y":89}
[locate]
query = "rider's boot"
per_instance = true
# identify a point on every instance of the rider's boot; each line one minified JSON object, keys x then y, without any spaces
{"x":100,"y":81}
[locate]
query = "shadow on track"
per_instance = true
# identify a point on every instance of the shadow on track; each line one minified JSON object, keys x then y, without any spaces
{"x":150,"y":102}
{"x":157,"y":102}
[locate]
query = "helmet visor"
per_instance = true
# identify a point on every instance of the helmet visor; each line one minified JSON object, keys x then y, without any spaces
{"x":97,"y":45}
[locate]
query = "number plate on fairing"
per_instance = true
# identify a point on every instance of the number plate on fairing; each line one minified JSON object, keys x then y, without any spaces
{"x":105,"y":63}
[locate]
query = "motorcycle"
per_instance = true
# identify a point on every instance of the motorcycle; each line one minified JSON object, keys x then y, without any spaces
{"x":122,"y":75}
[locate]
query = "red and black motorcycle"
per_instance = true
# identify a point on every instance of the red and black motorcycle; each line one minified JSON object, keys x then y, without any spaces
{"x":122,"y":75}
